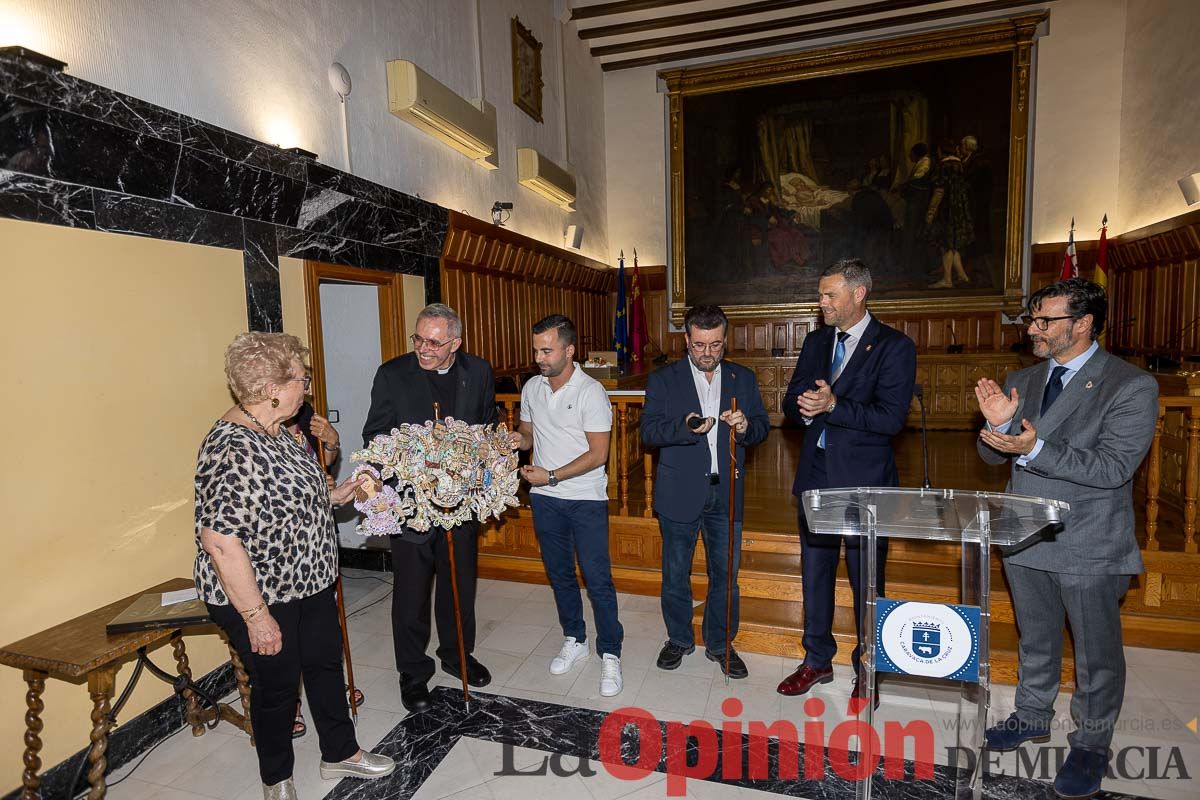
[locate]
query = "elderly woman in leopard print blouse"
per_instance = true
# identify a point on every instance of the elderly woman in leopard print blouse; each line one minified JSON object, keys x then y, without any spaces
{"x":267,"y":561}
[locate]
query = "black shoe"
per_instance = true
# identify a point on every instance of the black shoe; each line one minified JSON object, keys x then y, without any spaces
{"x":477,"y":674}
{"x":414,"y":695}
{"x":737,"y":667}
{"x":671,"y":655}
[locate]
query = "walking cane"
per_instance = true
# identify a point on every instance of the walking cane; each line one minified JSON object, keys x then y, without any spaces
{"x":729,"y":563}
{"x":462,"y":650}
{"x":340,"y":593}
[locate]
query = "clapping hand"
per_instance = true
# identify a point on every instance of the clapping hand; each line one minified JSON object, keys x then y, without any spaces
{"x":816,"y":400}
{"x":997,"y":407}
{"x":1018,"y":445}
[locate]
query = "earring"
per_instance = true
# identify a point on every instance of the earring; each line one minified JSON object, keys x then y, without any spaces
{"x":274,"y":402}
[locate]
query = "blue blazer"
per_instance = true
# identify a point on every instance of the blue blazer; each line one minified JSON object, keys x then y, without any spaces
{"x":873,"y":393}
{"x":680,"y":483}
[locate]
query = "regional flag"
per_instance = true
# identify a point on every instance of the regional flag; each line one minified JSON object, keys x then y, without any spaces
{"x":637,"y":317}
{"x":621,"y":326}
{"x":1070,"y":268}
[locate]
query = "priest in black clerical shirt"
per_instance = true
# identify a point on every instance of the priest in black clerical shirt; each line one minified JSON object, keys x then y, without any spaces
{"x":405,"y":390}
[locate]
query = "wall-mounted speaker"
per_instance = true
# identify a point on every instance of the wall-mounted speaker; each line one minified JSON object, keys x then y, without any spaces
{"x":574,"y":236}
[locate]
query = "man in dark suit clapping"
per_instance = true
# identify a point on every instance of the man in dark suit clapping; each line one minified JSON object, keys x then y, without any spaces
{"x":691,"y":489}
{"x":405,"y":390}
{"x":851,"y":389}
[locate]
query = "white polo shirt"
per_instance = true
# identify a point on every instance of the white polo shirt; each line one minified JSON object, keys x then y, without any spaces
{"x":561,"y":421}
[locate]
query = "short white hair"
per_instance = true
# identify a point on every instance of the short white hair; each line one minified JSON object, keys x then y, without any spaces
{"x":443,"y":311}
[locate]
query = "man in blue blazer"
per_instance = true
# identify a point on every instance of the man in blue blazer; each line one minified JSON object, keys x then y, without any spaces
{"x":851,"y":390}
{"x":691,"y":488}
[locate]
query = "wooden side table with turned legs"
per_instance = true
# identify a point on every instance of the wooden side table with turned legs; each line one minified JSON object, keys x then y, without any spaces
{"x":79,"y":651}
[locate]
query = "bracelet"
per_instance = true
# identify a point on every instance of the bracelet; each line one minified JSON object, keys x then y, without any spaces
{"x":332,"y":449}
{"x":832,"y":406}
{"x":251,"y":613}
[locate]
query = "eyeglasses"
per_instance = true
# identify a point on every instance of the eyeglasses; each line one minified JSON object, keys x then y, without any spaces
{"x":420,"y":343}
{"x":706,"y":347}
{"x":1042,"y":323}
{"x":306,"y":380}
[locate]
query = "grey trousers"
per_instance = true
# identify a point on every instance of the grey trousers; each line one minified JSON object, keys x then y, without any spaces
{"x":1091,"y":604}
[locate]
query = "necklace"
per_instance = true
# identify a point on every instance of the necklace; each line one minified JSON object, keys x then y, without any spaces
{"x":254,"y":419}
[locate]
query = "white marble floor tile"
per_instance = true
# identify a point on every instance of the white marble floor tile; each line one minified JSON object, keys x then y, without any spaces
{"x":534,"y":675}
{"x":514,"y":637}
{"x":226,"y":772}
{"x":685,"y":696}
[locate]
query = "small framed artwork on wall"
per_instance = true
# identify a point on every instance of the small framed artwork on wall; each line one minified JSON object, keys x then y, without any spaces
{"x":526,"y":70}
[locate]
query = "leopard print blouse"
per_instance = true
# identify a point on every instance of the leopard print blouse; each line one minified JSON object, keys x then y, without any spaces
{"x":272,"y":495}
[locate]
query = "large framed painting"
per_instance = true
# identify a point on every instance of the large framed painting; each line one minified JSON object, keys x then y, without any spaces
{"x":908,"y":153}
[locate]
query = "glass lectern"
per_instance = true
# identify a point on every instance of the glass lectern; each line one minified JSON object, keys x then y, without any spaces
{"x":975,"y":520}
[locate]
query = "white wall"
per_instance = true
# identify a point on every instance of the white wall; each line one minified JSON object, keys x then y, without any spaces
{"x":1106,"y":103}
{"x":1077,"y":133}
{"x":1161,"y":109}
{"x":258,"y":67}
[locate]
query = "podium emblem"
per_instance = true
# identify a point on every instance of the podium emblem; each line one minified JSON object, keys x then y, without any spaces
{"x":926,"y":639}
{"x":935,"y":640}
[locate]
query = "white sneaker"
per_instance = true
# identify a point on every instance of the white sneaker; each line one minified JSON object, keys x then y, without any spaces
{"x":610,"y":675}
{"x":572,"y":653}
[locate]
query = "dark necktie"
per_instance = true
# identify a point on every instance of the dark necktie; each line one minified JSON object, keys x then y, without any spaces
{"x":839,"y":355}
{"x":1054,"y":388}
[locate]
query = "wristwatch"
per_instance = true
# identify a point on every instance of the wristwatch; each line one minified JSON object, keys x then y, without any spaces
{"x":553,"y":479}
{"x":331,"y":448}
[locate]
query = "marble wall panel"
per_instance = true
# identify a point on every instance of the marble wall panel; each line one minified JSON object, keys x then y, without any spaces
{"x":260,"y":258}
{"x":139,"y":216}
{"x":34,"y":199}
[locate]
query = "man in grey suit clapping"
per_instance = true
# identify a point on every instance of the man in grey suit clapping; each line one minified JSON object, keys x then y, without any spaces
{"x":1075,"y":428}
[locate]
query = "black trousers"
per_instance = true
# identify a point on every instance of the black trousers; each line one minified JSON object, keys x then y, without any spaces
{"x":819,"y":556}
{"x":312,"y":650}
{"x":414,"y":565}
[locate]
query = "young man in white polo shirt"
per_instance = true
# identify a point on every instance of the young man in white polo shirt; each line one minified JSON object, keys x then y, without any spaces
{"x":566,"y":418}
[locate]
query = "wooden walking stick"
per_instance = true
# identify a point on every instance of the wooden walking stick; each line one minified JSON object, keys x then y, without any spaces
{"x":462,"y":649}
{"x":340,"y":593}
{"x":729,"y":562}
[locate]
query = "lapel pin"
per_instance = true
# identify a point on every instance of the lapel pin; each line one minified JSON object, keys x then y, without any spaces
{"x":868,"y":348}
{"x":1087,"y":385}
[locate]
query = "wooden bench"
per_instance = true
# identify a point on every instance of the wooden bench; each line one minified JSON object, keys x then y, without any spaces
{"x":79,"y":650}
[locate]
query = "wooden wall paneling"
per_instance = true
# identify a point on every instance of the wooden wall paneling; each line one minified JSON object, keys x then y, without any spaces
{"x":502,"y":282}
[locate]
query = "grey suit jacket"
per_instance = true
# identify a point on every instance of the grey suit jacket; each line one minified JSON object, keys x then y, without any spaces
{"x":1096,"y":435}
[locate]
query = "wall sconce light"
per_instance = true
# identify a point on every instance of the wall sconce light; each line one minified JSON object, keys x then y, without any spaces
{"x":500,"y":213}
{"x":25,"y":54}
{"x":573,"y":236}
{"x":1190,"y":186}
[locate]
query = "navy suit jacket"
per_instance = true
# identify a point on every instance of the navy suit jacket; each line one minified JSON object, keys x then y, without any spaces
{"x":873,"y":393}
{"x":680,"y":483}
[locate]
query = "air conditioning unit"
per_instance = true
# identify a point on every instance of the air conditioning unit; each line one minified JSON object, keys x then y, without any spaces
{"x":543,"y":176}
{"x":419,"y":99}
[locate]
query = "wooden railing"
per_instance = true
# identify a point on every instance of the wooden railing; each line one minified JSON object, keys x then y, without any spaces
{"x":1177,"y":446}
{"x":626,"y":455}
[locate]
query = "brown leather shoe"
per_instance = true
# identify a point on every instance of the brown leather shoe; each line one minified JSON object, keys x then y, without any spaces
{"x":858,"y":697}
{"x":803,"y":679}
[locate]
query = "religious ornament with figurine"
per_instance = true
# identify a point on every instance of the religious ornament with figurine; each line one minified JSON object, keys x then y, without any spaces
{"x":446,"y":473}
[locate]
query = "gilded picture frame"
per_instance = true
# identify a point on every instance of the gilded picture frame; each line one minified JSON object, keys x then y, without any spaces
{"x":1009,"y":42}
{"x":526,"y":70}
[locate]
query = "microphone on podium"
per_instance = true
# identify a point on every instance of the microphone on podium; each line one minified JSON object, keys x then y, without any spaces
{"x":919,"y":393}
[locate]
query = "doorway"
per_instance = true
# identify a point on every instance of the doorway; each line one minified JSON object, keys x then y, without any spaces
{"x":355,"y":323}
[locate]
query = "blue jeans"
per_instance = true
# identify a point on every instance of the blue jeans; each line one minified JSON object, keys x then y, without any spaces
{"x":679,"y":547}
{"x":566,"y":529}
